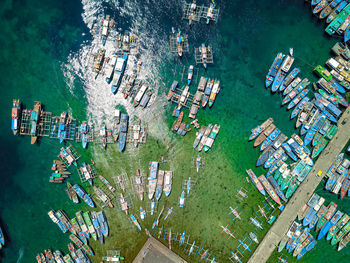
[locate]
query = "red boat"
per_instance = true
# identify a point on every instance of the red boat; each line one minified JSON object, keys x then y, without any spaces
{"x":344,"y":189}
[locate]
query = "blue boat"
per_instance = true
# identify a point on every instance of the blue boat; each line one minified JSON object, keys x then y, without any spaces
{"x":297,"y":99}
{"x":2,"y":238}
{"x":315,"y":2}
{"x":182,"y":238}
{"x":315,"y":128}
{"x":337,"y":86}
{"x":119,"y":72}
{"x":276,"y":187}
{"x":329,"y":224}
{"x":62,"y":133}
{"x":190,"y":75}
{"x":265,"y":155}
{"x":84,"y":130}
{"x":309,"y":217}
{"x":338,"y":9}
{"x":277,"y":155}
{"x":304,"y":173}
{"x":123,"y":131}
{"x":325,"y":112}
{"x":299,"y":107}
{"x":273,"y":135}
{"x":273,"y":69}
{"x":288,"y":80}
{"x":97,"y":226}
{"x":83,"y":195}
{"x":347,"y":34}
{"x":289,"y":151}
{"x":282,"y":72}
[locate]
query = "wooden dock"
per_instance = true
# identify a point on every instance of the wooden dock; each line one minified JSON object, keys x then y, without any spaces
{"x":304,"y":192}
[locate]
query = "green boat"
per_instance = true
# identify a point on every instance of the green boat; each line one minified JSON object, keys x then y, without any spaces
{"x":319,"y":148}
{"x":68,"y":259}
{"x":292,"y":187}
{"x":83,"y":226}
{"x":90,"y":225}
{"x":286,"y":182}
{"x":340,"y":234}
{"x":332,"y":131}
{"x":334,"y":229}
{"x":277,"y":175}
{"x":317,"y":139}
{"x":272,"y":219}
{"x":322,"y":72}
{"x":336,"y":23}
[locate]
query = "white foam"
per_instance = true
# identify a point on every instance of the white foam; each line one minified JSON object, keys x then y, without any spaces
{"x":152,"y":49}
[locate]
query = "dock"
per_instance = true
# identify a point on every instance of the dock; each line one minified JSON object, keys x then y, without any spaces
{"x":304,"y":191}
{"x":154,"y":251}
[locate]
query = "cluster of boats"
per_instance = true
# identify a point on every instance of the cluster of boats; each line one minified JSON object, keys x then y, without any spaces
{"x":205,"y":137}
{"x":338,"y":177}
{"x":159,"y":181}
{"x":82,"y":227}
{"x":60,"y":172}
{"x":75,"y":256}
{"x":336,"y":13}
{"x":193,"y":12}
{"x":327,"y":221}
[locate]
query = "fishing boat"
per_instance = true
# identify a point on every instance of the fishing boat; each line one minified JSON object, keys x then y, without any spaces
{"x":107,"y":183}
{"x":319,"y":6}
{"x":329,"y":8}
{"x":119,"y":72}
{"x":282,"y":243}
{"x":211,"y":138}
{"x":83,"y":195}
{"x":84,"y":133}
{"x":34,"y":118}
{"x":136,"y":223}
{"x":190,"y":74}
{"x":167,"y":182}
{"x":177,"y":122}
{"x":295,"y":83}
{"x":276,"y":187}
{"x":205,"y":137}
{"x":85,"y":170}
{"x":345,"y":187}
{"x":336,"y":11}
{"x":273,"y":69}
{"x":72,"y":194}
{"x":340,"y":234}
{"x":160,"y":182}
{"x":326,"y":216}
{"x":102,"y":197}
{"x":255,"y":181}
{"x":344,"y":241}
{"x":269,"y":189}
{"x":335,"y":218}
{"x":272,"y":136}
{"x":214,"y":91}
{"x":282,"y":72}
{"x":16,"y":115}
{"x":301,"y":105}
{"x":124,"y":120}
{"x":263,"y":135}
{"x":289,"y":79}
{"x":319,"y":148}
{"x":265,"y":155}
{"x":207,"y":92}
{"x":82,"y":224}
{"x":259,"y":129}
{"x":319,"y":122}
{"x":182,"y":200}
{"x":199,"y":136}
{"x":256,"y":222}
{"x":172,"y":89}
{"x":297,"y":99}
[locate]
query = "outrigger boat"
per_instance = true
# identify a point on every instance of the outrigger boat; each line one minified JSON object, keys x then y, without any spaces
{"x":15,"y":116}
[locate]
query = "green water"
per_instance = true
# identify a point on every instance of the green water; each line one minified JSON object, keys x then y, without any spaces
{"x":38,"y":37}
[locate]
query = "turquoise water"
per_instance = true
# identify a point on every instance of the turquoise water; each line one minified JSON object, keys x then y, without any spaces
{"x":36,"y":40}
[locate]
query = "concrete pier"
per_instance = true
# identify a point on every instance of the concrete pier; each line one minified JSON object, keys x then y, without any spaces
{"x":304,"y":192}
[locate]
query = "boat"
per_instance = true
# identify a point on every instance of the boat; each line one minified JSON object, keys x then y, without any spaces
{"x":119,"y":72}
{"x":291,"y":95}
{"x":269,"y":189}
{"x":347,"y":34}
{"x":34,"y":118}
{"x":275,"y":157}
{"x":295,"y":83}
{"x":259,"y":129}
{"x":345,"y":187}
{"x":82,"y":256}
{"x":205,"y":137}
{"x":211,"y":138}
{"x":136,"y":223}
{"x":190,"y":75}
{"x":301,"y":105}
{"x":177,"y":122}
{"x":84,"y":133}
{"x":344,"y":241}
{"x":160,"y":182}
{"x":214,"y":91}
{"x":167,"y":182}
{"x":289,"y":151}
{"x":72,"y":194}
{"x":207,"y":92}
{"x":256,"y":223}
{"x":276,"y":187}
{"x":326,"y":216}
{"x":124,"y":120}
{"x":336,"y":217}
{"x":340,"y":234}
{"x":282,"y":243}
{"x":199,"y":136}
{"x":256,"y":182}
{"x":273,"y":69}
{"x":297,"y":99}
{"x":282,"y":72}
{"x":99,"y":58}
{"x":338,"y":20}
{"x":102,"y":197}
{"x":106,"y":183}
{"x":319,"y":6}
{"x":86,"y":171}
{"x":319,"y":148}
{"x":83,"y":195}
{"x":263,"y":135}
{"x":182,"y":200}
{"x":272,"y":137}
{"x":172,"y":89}
{"x":203,"y":50}
{"x":329,"y":8}
{"x":265,"y":155}
{"x":16,"y":115}
{"x":289,"y":79}
{"x":336,"y":11}
{"x":82,"y":224}
{"x":278,"y":142}
{"x":315,"y":128}
{"x":2,"y":239}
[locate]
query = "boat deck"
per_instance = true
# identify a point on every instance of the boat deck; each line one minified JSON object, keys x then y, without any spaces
{"x":198,"y":57}
{"x":201,"y":12}
{"x":173,"y":44}
{"x":304,"y":192}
